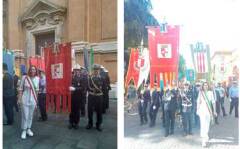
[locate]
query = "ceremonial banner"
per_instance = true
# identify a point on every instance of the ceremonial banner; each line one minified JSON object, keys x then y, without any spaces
{"x":58,"y":76}
{"x":190,"y":75}
{"x":38,"y":62}
{"x":57,"y":71}
{"x":144,"y":66}
{"x":164,"y":55}
{"x":9,"y":59}
{"x":23,"y":69}
{"x":201,"y":60}
{"x":133,"y":68}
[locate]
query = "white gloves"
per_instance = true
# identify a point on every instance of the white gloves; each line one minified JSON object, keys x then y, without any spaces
{"x":72,"y":88}
{"x":154,"y":107}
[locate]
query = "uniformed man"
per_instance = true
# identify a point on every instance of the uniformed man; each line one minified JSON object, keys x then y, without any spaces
{"x":140,"y":108}
{"x":170,"y":106}
{"x":220,"y":95}
{"x":234,"y":95}
{"x":8,"y":94}
{"x":106,"y":88}
{"x":187,"y":109}
{"x":83,"y":90}
{"x":155,"y":103}
{"x":146,"y":101}
{"x":95,"y":85}
{"x":75,"y":89}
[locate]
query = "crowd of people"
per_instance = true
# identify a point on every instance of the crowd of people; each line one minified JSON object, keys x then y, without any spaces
{"x":197,"y":104}
{"x":28,"y":94}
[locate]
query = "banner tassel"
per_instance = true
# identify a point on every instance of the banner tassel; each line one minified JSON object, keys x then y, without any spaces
{"x":58,"y":98}
{"x":64,"y":103}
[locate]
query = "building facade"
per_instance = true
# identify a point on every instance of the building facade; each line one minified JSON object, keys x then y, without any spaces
{"x":225,"y":66}
{"x":30,"y":24}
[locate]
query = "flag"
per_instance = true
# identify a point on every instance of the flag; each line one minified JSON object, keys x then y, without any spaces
{"x":161,"y":81}
{"x":133,"y":68}
{"x":91,"y":58}
{"x":190,"y":75}
{"x":23,"y":69}
{"x":144,"y":66}
{"x":164,"y":55}
{"x":201,"y":60}
{"x":9,"y":59}
{"x":38,"y":62}
{"x":164,"y":51}
{"x":58,"y":76}
{"x":85,"y":58}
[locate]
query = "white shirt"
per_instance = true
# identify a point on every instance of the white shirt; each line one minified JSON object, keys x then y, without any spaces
{"x":202,"y":108}
{"x":27,"y":96}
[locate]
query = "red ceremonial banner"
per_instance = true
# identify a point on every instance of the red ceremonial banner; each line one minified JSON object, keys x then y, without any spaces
{"x":164,"y":54}
{"x":133,"y":69}
{"x":38,"y":62}
{"x":58,"y":75}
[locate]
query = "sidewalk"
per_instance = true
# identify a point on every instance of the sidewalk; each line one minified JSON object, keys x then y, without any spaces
{"x":54,"y":133}
{"x":223,"y":136}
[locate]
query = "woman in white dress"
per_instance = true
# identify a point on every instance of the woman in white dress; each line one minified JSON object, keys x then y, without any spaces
{"x":28,"y":100}
{"x":206,"y":111}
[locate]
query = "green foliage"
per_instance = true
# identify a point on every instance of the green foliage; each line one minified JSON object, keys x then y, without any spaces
{"x":136,"y":17}
{"x":181,"y":67}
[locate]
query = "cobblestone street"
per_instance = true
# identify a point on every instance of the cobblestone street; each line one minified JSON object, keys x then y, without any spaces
{"x":222,"y":136}
{"x":54,"y":133}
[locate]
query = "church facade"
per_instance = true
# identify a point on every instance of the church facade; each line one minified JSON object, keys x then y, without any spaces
{"x":30,"y":24}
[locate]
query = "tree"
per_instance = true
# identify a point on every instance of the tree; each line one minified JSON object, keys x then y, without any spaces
{"x":181,"y":67}
{"x":136,"y":17}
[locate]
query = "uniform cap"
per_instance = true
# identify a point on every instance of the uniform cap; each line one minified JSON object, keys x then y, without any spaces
{"x":76,"y":67}
{"x":96,"y":66}
{"x":105,"y":70}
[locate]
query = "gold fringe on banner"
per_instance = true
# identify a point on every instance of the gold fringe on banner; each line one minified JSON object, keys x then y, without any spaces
{"x":170,"y":76}
{"x":166,"y":78}
{"x":174,"y":76}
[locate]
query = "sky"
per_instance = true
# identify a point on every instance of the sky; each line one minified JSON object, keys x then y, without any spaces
{"x":214,"y":22}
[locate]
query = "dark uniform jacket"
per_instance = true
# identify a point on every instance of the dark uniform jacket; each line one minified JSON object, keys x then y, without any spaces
{"x":8,"y":85}
{"x":78,"y":83}
{"x":171,"y":104}
{"x":147,"y":96}
{"x":95,"y":85}
{"x":155,"y":98}
{"x":187,"y":101}
{"x":106,"y":82}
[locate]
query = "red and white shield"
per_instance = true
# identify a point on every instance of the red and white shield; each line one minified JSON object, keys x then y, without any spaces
{"x":139,"y":63}
{"x":164,"y":51}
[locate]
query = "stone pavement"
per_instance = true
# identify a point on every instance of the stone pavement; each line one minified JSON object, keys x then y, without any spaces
{"x":222,"y":136}
{"x":54,"y":133}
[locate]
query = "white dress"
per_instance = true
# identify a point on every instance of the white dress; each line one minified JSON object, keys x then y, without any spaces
{"x":28,"y":101}
{"x":204,"y":114}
